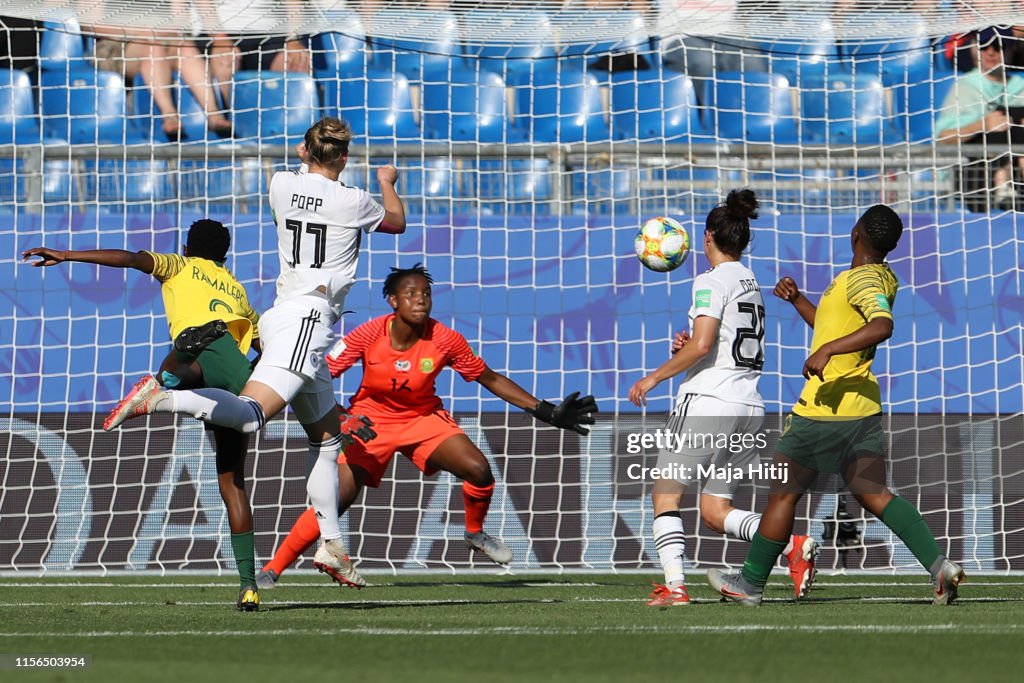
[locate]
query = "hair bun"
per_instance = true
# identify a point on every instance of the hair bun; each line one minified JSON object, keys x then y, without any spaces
{"x":741,"y":204}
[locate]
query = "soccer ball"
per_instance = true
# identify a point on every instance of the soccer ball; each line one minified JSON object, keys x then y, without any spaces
{"x":662,"y":244}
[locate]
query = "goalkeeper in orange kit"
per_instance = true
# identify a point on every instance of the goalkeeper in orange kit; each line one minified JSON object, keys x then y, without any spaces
{"x":402,"y":354}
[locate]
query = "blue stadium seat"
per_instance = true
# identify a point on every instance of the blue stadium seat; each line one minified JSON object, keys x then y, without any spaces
{"x":62,"y":46}
{"x":847,"y":110}
{"x":466,"y":106}
{"x":413,"y":58}
{"x":273,"y":107}
{"x":86,"y":107}
{"x":893,"y":61}
{"x":528,"y":180}
{"x":192,"y":115}
{"x":655,"y":104}
{"x":378,"y":105}
{"x":344,"y":50}
{"x":753,"y":106}
{"x":563,"y":106}
{"x":799,"y":60}
{"x":523,"y":40}
{"x":918,"y":105}
{"x":133,"y":185}
{"x":429,"y":189}
{"x":18,"y":121}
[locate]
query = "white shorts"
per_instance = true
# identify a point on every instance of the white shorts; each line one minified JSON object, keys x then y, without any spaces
{"x":295,"y":335}
{"x":713,"y":432}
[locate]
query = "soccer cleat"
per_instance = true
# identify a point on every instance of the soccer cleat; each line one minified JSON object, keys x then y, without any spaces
{"x":267,"y":579}
{"x":248,"y":599}
{"x":139,"y":401}
{"x":734,"y":587}
{"x":490,"y":546}
{"x":333,"y":560}
{"x":947,"y":583}
{"x":663,"y":596}
{"x":801,"y":564}
{"x":192,"y":340}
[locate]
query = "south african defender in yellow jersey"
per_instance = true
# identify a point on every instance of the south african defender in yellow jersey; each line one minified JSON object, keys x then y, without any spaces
{"x":213,"y":327}
{"x":836,"y":424}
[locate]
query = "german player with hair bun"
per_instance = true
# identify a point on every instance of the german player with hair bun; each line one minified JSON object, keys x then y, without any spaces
{"x":836,"y":424}
{"x":320,"y":225}
{"x":723,"y":354}
{"x":402,"y":353}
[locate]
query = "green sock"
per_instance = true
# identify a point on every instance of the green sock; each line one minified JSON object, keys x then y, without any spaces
{"x":761,"y":559}
{"x":245,"y":557}
{"x":906,"y":522}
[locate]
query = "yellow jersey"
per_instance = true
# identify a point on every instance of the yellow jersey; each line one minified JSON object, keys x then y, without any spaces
{"x":849,"y":390}
{"x":198,"y":290}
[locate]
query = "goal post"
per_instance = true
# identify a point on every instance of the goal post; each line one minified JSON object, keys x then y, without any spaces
{"x":532,"y":141}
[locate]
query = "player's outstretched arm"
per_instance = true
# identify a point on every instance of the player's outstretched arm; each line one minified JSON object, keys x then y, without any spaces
{"x":872,"y":334}
{"x":705,"y":335}
{"x":114,"y":258}
{"x":787,"y":290}
{"x":572,"y":412}
{"x":394,"y":210}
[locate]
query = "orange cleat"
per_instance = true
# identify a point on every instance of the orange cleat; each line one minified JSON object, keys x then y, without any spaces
{"x":663,"y":596}
{"x":801,"y":564}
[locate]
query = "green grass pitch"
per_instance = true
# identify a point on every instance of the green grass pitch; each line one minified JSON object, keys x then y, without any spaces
{"x":588,"y":627}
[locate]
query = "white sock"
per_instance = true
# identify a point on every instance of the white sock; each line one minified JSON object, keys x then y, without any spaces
{"x":323,"y":489}
{"x":215,"y":406}
{"x":742,"y":524}
{"x":671,"y":545}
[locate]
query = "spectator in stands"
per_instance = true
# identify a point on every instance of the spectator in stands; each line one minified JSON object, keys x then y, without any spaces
{"x":19,"y":45}
{"x":274,"y":53}
{"x":986,"y":107}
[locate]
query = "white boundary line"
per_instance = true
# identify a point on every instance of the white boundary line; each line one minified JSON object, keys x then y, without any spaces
{"x":157,"y":584}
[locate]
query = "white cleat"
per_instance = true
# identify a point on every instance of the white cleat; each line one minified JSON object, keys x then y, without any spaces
{"x":332,"y":559}
{"x":490,"y":546}
{"x":946,"y":584}
{"x":139,"y":401}
{"x":266,"y":580}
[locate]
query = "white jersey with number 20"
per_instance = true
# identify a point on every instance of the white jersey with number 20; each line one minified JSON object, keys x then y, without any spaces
{"x":319,"y":229}
{"x":730,"y":372}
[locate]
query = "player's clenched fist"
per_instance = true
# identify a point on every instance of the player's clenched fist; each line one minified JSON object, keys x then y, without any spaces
{"x":387,"y":175}
{"x":786,"y":289}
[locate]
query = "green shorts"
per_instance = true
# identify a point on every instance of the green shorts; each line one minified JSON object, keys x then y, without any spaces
{"x":223,"y":365}
{"x":827,"y":445}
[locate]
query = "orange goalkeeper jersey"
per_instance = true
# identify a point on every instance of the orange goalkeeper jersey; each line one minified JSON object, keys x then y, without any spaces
{"x":399,"y":385}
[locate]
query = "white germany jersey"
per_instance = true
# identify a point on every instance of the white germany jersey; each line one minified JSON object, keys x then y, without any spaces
{"x":320,"y":224}
{"x":731,"y":370}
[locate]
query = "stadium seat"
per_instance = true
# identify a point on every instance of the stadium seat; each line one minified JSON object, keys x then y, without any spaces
{"x":523,"y":40}
{"x":62,"y":46}
{"x":920,"y":104}
{"x":18,"y":121}
{"x":564,"y":106}
{"x":804,"y":59}
{"x":378,"y":105}
{"x":413,"y":58}
{"x":86,"y":107}
{"x":655,"y":105}
{"x":273,"y":107}
{"x":147,"y":117}
{"x":342,"y":51}
{"x":133,"y":185}
{"x":895,"y":61}
{"x":753,"y":106}
{"x":466,"y":106}
{"x":847,"y":110}
{"x":429,"y":188}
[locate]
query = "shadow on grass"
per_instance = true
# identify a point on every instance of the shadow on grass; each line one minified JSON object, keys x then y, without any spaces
{"x":401,"y":604}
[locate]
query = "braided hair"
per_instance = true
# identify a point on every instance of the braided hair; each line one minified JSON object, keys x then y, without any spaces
{"x":396,"y":275}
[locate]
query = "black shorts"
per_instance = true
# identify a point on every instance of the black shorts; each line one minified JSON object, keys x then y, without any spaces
{"x":259,"y":53}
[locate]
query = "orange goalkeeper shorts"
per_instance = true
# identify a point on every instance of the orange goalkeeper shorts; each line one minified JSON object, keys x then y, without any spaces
{"x":416,"y":439}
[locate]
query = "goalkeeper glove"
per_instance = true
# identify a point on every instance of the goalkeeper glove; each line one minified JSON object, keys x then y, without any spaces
{"x":572,"y":413}
{"x":355,"y":426}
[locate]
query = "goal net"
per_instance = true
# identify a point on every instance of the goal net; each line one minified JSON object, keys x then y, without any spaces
{"x":532,"y":141}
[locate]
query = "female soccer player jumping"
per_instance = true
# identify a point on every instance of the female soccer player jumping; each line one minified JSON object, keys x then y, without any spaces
{"x":402,"y":354}
{"x":724,"y":356}
{"x":320,"y":223}
{"x":836,"y":424}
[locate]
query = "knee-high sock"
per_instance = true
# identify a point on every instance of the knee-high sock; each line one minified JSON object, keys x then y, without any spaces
{"x":477,"y":501}
{"x":304,"y":533}
{"x":671,"y":544}
{"x":741,"y":524}
{"x":215,"y":406}
{"x":906,"y":522}
{"x":245,"y":559}
{"x":323,"y":489}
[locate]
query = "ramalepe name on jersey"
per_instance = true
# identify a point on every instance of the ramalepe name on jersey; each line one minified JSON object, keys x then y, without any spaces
{"x":306,"y":203}
{"x":234,"y":291}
